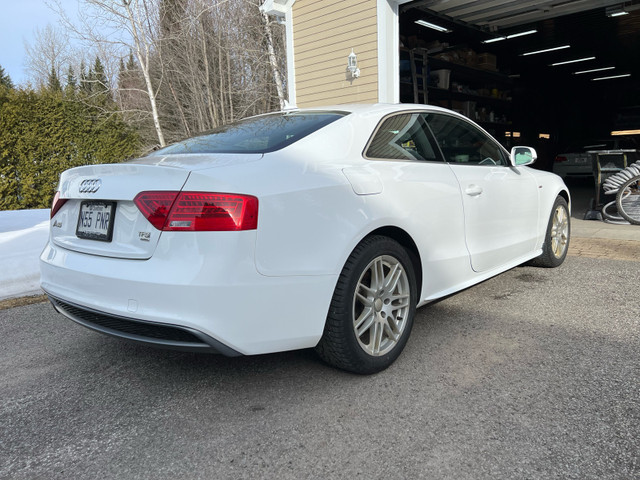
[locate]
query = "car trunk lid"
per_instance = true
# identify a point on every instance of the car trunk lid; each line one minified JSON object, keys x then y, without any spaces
{"x":100,"y":217}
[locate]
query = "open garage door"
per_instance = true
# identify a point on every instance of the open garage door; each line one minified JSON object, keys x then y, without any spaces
{"x":559,"y":76}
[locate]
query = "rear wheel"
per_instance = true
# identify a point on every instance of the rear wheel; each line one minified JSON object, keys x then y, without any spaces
{"x":372,"y":308}
{"x":556,"y":243}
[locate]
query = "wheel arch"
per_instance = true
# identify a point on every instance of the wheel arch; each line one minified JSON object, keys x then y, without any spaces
{"x":565,"y":194}
{"x":406,"y":241}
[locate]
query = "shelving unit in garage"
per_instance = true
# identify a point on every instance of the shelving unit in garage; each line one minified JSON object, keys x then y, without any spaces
{"x":482,"y":94}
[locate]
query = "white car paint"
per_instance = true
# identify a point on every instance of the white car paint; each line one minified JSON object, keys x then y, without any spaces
{"x":269,"y":289}
{"x":499,"y":205}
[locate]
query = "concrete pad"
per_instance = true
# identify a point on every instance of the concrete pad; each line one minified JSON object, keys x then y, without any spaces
{"x":597,"y":229}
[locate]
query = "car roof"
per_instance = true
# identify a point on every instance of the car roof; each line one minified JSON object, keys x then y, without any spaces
{"x":374,"y":108}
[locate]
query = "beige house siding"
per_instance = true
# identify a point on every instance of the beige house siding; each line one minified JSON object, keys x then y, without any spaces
{"x":324,"y":32}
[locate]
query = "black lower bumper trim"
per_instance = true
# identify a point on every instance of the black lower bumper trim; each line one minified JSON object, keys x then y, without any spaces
{"x":141,"y":331}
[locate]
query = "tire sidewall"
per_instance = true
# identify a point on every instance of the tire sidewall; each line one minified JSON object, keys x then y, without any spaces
{"x":550,"y":258}
{"x":373,"y":248}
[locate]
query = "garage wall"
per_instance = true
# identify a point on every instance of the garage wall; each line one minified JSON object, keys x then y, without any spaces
{"x":324,"y":32}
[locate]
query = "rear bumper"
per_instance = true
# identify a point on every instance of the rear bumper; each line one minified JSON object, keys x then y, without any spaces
{"x":139,"y":331}
{"x":204,"y":285}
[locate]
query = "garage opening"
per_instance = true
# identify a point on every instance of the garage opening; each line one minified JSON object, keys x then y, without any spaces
{"x":561,"y":76}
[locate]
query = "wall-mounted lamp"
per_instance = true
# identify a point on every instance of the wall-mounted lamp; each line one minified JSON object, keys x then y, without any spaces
{"x":352,"y":65}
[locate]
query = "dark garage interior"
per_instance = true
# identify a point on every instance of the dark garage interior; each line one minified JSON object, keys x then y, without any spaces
{"x":561,"y":76}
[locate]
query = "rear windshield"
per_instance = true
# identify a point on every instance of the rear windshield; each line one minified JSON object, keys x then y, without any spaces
{"x":262,"y":134}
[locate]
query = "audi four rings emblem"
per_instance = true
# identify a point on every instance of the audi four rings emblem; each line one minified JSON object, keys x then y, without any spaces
{"x":90,"y":186}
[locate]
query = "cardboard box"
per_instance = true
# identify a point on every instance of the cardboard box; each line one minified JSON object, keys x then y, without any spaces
{"x":487,"y":61}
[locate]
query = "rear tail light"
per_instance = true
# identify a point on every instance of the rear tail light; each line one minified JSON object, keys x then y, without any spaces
{"x":198,"y":211}
{"x":57,"y":204}
{"x":155,"y":206}
{"x":560,"y":159}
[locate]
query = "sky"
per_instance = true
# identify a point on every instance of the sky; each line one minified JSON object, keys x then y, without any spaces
{"x":18,"y":23}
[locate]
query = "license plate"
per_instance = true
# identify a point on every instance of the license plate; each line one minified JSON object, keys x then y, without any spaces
{"x":95,"y":221}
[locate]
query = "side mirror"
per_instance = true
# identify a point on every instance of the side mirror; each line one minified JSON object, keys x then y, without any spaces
{"x":523,"y":156}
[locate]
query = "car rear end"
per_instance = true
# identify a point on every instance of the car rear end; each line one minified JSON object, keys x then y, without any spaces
{"x":173,"y":268}
{"x":162,"y":251}
{"x":573,"y":165}
{"x":115,"y":258}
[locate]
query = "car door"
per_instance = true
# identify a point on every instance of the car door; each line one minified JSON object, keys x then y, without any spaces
{"x":421,"y":194}
{"x":500,"y":201}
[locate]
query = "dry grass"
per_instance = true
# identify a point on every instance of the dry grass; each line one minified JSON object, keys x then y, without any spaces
{"x":21,"y":301}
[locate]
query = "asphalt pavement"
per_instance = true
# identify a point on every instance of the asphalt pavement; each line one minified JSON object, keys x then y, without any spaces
{"x":533,"y":374}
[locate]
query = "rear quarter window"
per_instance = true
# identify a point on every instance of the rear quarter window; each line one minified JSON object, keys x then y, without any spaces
{"x":403,"y":136}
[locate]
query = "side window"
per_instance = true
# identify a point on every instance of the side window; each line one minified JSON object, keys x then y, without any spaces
{"x":461,"y":142}
{"x":403,"y":137}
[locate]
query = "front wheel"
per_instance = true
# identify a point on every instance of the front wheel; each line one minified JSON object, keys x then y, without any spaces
{"x":556,"y":242}
{"x":372,"y":308}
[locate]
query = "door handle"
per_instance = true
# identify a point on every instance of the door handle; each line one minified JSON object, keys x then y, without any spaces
{"x":473,"y":190}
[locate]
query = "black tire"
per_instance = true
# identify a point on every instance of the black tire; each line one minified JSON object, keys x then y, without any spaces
{"x":556,"y":241}
{"x":387,"y":309}
{"x":629,"y":210}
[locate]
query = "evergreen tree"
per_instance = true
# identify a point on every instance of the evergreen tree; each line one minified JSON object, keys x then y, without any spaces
{"x":5,"y":80}
{"x":131,"y":63}
{"x":44,"y":133}
{"x":53,"y":82}
{"x":123,"y":69}
{"x":100,"y":85}
{"x":72,"y":84}
{"x":85,"y":79}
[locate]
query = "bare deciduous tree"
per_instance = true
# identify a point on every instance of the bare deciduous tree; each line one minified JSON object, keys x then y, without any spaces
{"x":120,"y":27}
{"x":186,"y":66}
{"x":49,"y":53}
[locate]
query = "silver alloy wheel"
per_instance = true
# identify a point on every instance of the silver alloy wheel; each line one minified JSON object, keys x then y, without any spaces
{"x":559,"y":231}
{"x":381,"y":305}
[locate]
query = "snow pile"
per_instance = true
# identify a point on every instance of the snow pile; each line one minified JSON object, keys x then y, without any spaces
{"x":23,"y":235}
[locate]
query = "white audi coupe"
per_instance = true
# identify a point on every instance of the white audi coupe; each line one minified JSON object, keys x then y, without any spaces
{"x":321,"y":228}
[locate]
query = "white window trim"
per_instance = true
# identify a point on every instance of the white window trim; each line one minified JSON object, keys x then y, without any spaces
{"x":282,"y":9}
{"x":291,"y":69}
{"x":389,"y":50}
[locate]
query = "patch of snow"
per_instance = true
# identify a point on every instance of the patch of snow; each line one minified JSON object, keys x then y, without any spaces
{"x":23,"y":235}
